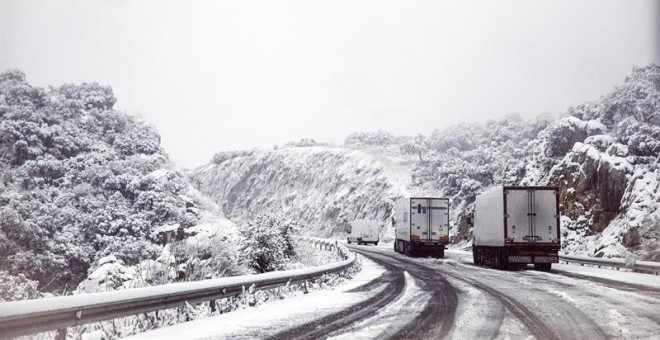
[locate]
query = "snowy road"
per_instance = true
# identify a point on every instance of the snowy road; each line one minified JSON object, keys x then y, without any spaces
{"x":485,"y":303}
{"x":416,"y":298}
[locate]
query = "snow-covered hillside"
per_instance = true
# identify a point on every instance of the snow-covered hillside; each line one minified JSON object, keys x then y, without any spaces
{"x":603,"y":156}
{"x":324,"y":187}
{"x":84,"y":186}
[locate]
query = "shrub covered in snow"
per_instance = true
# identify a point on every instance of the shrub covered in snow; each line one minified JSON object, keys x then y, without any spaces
{"x":267,"y":243}
{"x":305,"y":142}
{"x":374,"y":138}
{"x":17,"y":287}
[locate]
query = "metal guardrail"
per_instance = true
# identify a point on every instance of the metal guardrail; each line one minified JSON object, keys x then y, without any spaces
{"x":638,"y":266}
{"x":41,"y":315}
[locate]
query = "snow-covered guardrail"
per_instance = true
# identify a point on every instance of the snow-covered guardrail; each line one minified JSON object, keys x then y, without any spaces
{"x":40,"y":315}
{"x":640,"y":266}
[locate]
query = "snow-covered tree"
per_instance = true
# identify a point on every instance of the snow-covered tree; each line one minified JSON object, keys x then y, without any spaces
{"x":418,"y":146}
{"x":267,"y":243}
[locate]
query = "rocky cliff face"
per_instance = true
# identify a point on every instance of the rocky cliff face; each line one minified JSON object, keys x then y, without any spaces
{"x":608,"y":177}
{"x":323,"y":187}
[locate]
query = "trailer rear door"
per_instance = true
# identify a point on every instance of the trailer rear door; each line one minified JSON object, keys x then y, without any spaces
{"x":517,"y":208}
{"x":545,"y":216}
{"x":419,"y":219}
{"x":439,"y":218}
{"x":531,"y":215}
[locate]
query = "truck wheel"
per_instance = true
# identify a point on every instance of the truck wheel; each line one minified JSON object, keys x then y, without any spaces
{"x":477,"y":253}
{"x":376,"y":243}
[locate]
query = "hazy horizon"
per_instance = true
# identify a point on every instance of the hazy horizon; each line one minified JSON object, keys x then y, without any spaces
{"x":232,"y":75}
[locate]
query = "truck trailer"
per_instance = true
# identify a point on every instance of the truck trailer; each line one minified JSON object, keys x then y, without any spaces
{"x":517,"y":225}
{"x":364,"y":231}
{"x":422,"y":226}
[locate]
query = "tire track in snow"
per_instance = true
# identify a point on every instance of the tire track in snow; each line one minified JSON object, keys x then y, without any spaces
{"x":398,"y":313}
{"x":437,"y":319}
{"x":394,"y":278}
{"x":546,"y":315}
{"x":534,"y":324}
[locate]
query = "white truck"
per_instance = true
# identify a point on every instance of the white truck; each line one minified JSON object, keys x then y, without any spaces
{"x":422,"y":226}
{"x":517,"y":225}
{"x":364,"y":231}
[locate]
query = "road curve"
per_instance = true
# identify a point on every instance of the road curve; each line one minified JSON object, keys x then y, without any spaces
{"x":437,"y":319}
{"x":393,"y":278}
{"x":541,"y":313}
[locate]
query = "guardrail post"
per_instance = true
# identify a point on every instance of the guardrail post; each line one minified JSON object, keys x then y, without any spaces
{"x":212,"y":305}
{"x":61,"y":334}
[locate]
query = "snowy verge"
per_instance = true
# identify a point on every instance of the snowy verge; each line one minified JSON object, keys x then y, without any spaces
{"x":109,"y":305}
{"x":277,"y":316}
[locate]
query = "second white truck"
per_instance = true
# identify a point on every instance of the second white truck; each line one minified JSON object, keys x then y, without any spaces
{"x":364,"y":232}
{"x":422,"y":226}
{"x":517,"y":225}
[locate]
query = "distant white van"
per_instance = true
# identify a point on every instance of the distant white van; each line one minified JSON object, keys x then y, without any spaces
{"x":364,"y":232}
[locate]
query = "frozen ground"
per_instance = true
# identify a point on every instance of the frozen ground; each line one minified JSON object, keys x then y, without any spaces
{"x":576,"y":270}
{"x":400,"y":312}
{"x":270,"y":318}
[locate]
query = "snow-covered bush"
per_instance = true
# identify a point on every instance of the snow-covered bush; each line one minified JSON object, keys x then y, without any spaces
{"x":374,"y":138}
{"x":267,"y":243}
{"x":17,"y":287}
{"x":417,"y":146}
{"x":638,"y":98}
{"x":201,"y":259}
{"x":304,"y":142}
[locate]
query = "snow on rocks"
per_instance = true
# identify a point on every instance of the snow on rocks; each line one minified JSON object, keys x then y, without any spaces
{"x":324,"y":187}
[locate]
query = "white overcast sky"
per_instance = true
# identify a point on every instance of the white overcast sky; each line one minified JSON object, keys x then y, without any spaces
{"x":224,"y":75}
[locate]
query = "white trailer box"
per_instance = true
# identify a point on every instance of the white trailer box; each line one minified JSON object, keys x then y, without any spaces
{"x":422,"y":225}
{"x":364,"y":231}
{"x":517,"y":225}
